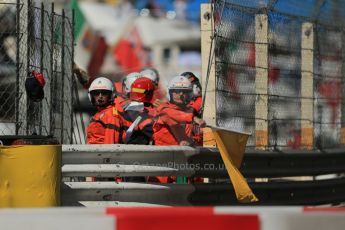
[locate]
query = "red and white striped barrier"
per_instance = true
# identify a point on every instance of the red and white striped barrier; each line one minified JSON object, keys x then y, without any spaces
{"x":112,"y":218}
{"x":181,"y":218}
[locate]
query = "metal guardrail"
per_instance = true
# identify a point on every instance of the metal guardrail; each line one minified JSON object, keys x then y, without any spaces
{"x":135,"y":160}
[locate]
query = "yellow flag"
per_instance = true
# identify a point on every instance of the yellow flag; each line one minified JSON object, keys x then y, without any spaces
{"x":231,"y":145}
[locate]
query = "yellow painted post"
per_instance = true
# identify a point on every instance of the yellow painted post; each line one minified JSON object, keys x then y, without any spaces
{"x":307,"y":96}
{"x":261,"y":81}
{"x":207,"y":49}
{"x":30,"y":176}
{"x":231,"y":145}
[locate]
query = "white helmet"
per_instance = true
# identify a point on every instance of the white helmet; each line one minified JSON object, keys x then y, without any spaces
{"x":128,"y":81}
{"x":195,"y":83}
{"x":150,"y":73}
{"x":180,"y":83}
{"x":101,"y":83}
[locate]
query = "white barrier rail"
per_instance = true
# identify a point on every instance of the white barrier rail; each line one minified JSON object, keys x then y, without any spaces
{"x":139,"y":160}
{"x":113,"y":170}
{"x":112,"y":154}
{"x":109,"y":161}
{"x":138,"y":193}
{"x":129,"y":161}
{"x":221,"y":218}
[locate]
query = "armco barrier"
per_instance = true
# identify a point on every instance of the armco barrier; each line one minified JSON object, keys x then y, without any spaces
{"x":201,"y":218}
{"x":136,"y":160}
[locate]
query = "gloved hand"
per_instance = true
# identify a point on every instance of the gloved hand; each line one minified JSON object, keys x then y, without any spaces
{"x":184,"y":143}
{"x":81,"y":75}
{"x":199,"y":121}
{"x":157,"y":102}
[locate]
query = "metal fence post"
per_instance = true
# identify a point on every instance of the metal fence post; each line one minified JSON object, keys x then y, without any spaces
{"x":74,"y":86}
{"x":342,"y":104}
{"x":208,"y":78}
{"x":40,"y":110}
{"x":27,"y":67}
{"x":261,"y":81}
{"x":62,"y":74}
{"x":18,"y":65}
{"x":23,"y":35}
{"x":51,"y":73}
{"x":307,"y":86}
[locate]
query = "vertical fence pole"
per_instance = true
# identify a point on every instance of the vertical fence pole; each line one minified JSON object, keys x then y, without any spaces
{"x":208,"y":78}
{"x":62,"y":74}
{"x":261,"y":81}
{"x":40,"y":110}
{"x":22,"y":65}
{"x":18,"y":64}
{"x":307,"y":96}
{"x":46,"y":70}
{"x":74,"y":86}
{"x":28,"y":118}
{"x":342,"y":130}
{"x":23,"y":34}
{"x":51,"y":73}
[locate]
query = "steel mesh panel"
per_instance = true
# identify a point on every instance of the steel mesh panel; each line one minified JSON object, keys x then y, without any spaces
{"x":234,"y":54}
{"x":34,"y":37}
{"x":7,"y":66}
{"x":328,"y":85}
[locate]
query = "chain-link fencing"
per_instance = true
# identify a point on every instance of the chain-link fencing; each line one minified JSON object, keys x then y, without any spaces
{"x":34,"y":37}
{"x":287,"y":80}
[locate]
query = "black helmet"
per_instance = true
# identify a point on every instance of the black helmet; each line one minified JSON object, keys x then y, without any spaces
{"x":34,"y":86}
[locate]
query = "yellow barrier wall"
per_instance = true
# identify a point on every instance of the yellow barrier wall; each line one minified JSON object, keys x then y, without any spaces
{"x":30,"y":175}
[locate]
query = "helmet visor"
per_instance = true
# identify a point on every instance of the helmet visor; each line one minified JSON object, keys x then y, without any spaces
{"x":100,"y":91}
{"x":181,"y":90}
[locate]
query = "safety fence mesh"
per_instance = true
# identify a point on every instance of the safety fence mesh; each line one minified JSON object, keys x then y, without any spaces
{"x":35,"y":37}
{"x":237,"y":102}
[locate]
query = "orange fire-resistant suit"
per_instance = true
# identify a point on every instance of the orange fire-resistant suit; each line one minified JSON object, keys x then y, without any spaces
{"x":143,"y":131}
{"x":104,"y":127}
{"x":173,"y":125}
{"x":197,"y":104}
